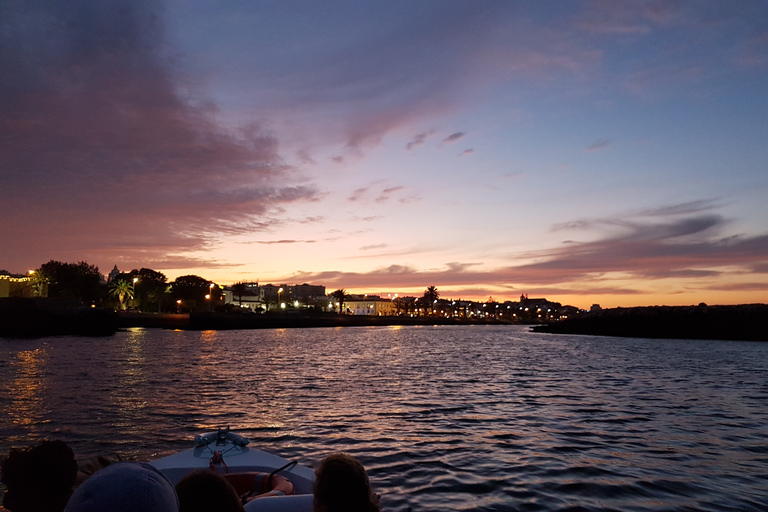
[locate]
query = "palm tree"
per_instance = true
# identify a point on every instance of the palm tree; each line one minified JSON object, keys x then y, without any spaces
{"x":430,"y":297}
{"x":339,"y":296}
{"x":40,"y":282}
{"x":157,"y":293}
{"x":122,"y":290}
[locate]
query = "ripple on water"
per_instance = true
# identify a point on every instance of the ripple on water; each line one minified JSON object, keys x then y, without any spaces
{"x":481,"y":418}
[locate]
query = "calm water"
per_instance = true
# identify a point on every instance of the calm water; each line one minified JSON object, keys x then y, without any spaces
{"x":444,"y":418}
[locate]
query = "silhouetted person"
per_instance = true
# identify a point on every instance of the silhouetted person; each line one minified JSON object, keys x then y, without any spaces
{"x":125,"y":487}
{"x":206,"y":491}
{"x":38,"y":479}
{"x":342,"y":485}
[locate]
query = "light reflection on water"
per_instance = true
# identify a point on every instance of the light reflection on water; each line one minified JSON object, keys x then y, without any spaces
{"x":24,"y":394}
{"x":445,"y":418}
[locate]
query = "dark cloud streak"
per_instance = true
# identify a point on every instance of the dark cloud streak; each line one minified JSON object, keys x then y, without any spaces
{"x":453,"y":137}
{"x":96,"y":135}
{"x":686,"y":247}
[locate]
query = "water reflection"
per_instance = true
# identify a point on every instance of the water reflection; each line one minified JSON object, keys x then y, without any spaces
{"x":129,"y":391}
{"x":209,"y":336}
{"x":26,"y":389}
{"x":445,"y":418}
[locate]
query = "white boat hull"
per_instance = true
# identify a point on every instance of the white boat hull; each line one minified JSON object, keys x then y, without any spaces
{"x":241,"y":459}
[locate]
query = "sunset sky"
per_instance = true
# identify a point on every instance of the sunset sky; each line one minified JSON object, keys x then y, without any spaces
{"x":587,"y":152}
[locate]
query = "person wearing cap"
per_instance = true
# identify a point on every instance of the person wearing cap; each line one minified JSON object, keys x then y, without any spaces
{"x":125,"y":487}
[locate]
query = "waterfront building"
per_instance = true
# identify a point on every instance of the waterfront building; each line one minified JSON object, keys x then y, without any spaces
{"x":372,"y":305}
{"x":16,"y":285}
{"x":269,"y":297}
{"x":247,"y":298}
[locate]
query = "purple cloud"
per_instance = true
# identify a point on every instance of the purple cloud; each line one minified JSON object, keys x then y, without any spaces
{"x":383,"y":196}
{"x":453,"y":137}
{"x":599,"y":145}
{"x":371,"y":247}
{"x":95,"y":124}
{"x":358,"y":194}
{"x":272,"y":242}
{"x":690,"y":207}
{"x":418,"y":140}
{"x":386,"y":194}
{"x":686,"y":247}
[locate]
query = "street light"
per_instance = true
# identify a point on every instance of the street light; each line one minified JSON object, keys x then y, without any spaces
{"x":209,"y":297}
{"x":135,"y":280}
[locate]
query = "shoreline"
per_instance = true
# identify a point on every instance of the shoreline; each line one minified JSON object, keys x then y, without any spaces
{"x":745,"y":322}
{"x":226,"y":321}
{"x":26,"y":318}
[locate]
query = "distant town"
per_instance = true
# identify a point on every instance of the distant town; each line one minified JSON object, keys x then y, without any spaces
{"x":147,"y":290}
{"x":76,"y":299}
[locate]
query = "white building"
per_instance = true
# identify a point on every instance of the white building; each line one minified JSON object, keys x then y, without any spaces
{"x":371,"y":305}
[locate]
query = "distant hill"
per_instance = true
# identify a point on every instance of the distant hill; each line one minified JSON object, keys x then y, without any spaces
{"x":748,"y":322}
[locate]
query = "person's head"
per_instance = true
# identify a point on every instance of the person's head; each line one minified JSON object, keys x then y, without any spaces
{"x":38,"y":479}
{"x":342,"y":485}
{"x":125,"y":487}
{"x":206,"y":491}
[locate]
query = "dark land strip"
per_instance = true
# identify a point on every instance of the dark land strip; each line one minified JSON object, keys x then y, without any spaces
{"x":746,"y":322}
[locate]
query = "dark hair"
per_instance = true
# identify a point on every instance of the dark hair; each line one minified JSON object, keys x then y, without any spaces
{"x":342,"y":485}
{"x":38,"y":479}
{"x":206,"y":491}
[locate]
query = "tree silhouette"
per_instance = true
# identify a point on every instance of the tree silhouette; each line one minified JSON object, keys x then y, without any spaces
{"x":74,"y":280}
{"x":339,"y":296}
{"x":238,"y":290}
{"x":150,"y":286}
{"x":430,"y":297}
{"x":157,"y":294}
{"x":192,"y":290}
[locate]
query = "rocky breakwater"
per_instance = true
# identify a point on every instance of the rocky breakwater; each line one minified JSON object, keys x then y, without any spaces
{"x":748,"y":322}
